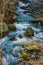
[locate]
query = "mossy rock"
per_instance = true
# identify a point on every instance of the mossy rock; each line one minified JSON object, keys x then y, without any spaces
{"x":24,"y":1}
{"x":12,"y":28}
{"x":29,"y":32}
{"x":4,"y":29}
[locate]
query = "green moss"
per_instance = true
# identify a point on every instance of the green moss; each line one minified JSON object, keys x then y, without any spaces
{"x":12,"y":28}
{"x":4,"y":29}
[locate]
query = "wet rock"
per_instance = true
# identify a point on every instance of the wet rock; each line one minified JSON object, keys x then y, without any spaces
{"x":24,"y":29}
{"x":41,"y":22}
{"x":29,"y":32}
{"x":35,"y":21}
{"x":20,"y":36}
{"x":23,"y":7}
{"x":25,"y":12}
{"x":13,"y":38}
{"x":4,"y":30}
{"x":24,"y":1}
{"x":12,"y":28}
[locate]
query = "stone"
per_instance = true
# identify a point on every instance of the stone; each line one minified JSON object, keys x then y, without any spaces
{"x":13,"y":38}
{"x":29,"y":32}
{"x":12,"y":28}
{"x":24,"y":1}
{"x":23,"y":7}
{"x":20,"y":36}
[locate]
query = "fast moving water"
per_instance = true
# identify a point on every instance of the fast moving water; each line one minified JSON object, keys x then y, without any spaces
{"x":11,"y":48}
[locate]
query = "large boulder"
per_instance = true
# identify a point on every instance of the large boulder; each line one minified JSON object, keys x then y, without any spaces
{"x":29,"y":32}
{"x":3,"y":29}
{"x":12,"y":28}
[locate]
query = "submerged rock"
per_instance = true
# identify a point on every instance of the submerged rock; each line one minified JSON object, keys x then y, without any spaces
{"x":24,"y":1}
{"x":12,"y":28}
{"x":29,"y":32}
{"x":20,"y":36}
{"x":13,"y":38}
{"x":23,"y":7}
{"x":41,"y":20}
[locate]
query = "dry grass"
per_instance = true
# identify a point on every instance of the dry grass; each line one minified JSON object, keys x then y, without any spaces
{"x":38,"y":61}
{"x":0,"y":56}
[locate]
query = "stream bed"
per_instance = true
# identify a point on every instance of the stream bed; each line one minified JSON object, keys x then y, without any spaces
{"x":12,"y":47}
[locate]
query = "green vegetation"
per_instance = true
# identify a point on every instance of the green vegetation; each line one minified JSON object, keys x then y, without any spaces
{"x":4,"y":29}
{"x":12,"y":28}
{"x":32,"y":51}
{"x":31,"y":47}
